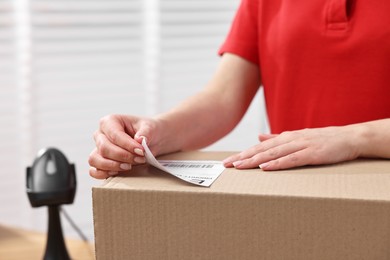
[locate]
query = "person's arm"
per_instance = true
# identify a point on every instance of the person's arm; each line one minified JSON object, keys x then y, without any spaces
{"x":316,"y":146}
{"x":215,"y":111}
{"x":195,"y":123}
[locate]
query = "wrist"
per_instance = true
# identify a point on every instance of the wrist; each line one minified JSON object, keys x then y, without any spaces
{"x":361,"y":137}
{"x":168,"y":138}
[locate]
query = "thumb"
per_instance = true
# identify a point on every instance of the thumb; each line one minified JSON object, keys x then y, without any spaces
{"x":143,"y":133}
{"x":139,"y":137}
{"x":264,"y":137}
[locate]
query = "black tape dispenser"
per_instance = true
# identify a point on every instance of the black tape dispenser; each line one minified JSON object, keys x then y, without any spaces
{"x":51,"y":181}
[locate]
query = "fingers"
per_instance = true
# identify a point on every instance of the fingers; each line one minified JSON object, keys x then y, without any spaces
{"x":292,"y":160}
{"x":237,"y":159}
{"x":287,"y":150}
{"x":98,"y":161}
{"x":108,"y":150}
{"x":119,"y":132}
{"x":296,"y":148}
{"x":271,"y":148}
{"x":269,"y":142}
{"x":102,"y":167}
{"x":118,"y":144}
{"x":98,"y":174}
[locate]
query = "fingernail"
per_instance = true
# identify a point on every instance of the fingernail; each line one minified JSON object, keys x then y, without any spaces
{"x":139,"y":159}
{"x":237,"y":163}
{"x":226,"y":163}
{"x":142,"y":138}
{"x":263,"y":165}
{"x":112,"y":173}
{"x":125,"y":166}
{"x":139,"y":151}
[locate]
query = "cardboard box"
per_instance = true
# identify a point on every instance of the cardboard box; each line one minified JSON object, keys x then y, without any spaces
{"x":339,"y":211}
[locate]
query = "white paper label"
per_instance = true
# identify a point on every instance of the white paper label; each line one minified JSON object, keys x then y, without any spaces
{"x":202,"y":173}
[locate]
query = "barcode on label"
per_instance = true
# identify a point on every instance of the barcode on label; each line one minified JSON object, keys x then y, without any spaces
{"x":193,"y":166}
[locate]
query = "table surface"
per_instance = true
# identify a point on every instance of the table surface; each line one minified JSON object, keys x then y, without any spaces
{"x":16,"y":243}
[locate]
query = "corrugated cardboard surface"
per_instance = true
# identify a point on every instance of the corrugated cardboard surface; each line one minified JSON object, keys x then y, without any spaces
{"x":330,"y":212}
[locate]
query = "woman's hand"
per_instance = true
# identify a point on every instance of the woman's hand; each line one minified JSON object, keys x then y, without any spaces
{"x":195,"y":123}
{"x":297,"y":148}
{"x":118,"y":144}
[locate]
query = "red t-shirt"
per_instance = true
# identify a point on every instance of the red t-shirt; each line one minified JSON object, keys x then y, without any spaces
{"x":322,"y":63}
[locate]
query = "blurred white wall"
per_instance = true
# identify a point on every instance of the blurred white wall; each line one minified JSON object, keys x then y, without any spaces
{"x":66,"y":63}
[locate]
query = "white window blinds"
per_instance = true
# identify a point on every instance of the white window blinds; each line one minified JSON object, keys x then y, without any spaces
{"x":10,"y":168}
{"x":87,"y":62}
{"x":191,"y":33}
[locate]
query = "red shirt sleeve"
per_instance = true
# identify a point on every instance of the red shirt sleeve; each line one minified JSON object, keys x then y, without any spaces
{"x":242,"y":39}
